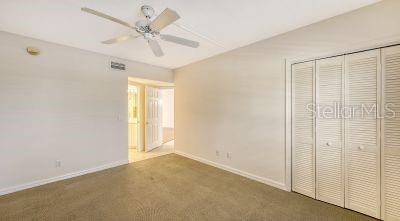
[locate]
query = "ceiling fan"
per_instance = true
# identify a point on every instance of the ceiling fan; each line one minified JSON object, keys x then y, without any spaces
{"x":149,"y":29}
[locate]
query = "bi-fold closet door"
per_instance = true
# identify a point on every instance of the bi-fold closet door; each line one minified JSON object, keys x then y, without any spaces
{"x":330,"y":130}
{"x":303,"y":151}
{"x":346,"y":93}
{"x":362,"y":132}
{"x":317,"y":133}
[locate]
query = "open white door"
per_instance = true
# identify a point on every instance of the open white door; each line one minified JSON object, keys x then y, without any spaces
{"x":153,"y":118}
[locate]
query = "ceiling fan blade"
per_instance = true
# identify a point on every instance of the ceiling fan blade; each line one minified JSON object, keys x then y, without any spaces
{"x":181,"y":41}
{"x":166,"y":18}
{"x":120,"y":39}
{"x":155,"y":47}
{"x":100,"y":14}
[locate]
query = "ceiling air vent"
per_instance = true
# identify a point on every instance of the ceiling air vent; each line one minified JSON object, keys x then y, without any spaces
{"x":117,"y":66}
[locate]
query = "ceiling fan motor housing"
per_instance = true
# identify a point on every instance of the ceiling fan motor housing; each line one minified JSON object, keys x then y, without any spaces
{"x":147,"y":11}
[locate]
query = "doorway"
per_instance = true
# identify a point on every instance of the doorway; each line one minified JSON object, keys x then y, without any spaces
{"x":150,"y":121}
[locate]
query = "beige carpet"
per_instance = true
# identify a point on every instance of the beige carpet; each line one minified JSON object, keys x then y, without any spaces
{"x":169,"y":187}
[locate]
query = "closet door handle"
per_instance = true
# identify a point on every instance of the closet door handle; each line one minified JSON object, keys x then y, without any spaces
{"x":361,"y":147}
{"x":328,"y":144}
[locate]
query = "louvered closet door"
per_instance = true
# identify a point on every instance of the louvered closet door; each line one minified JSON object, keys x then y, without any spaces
{"x":362,"y":143}
{"x":303,"y":154}
{"x":391,"y":134}
{"x":329,"y":130}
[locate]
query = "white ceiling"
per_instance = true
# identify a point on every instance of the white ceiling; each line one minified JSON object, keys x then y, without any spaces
{"x":228,"y":24}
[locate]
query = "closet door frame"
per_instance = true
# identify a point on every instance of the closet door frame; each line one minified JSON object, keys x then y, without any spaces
{"x":373,"y":45}
{"x":384,"y":150}
{"x":289,"y":61}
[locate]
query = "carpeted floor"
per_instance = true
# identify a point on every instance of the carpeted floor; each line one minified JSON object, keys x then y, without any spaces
{"x":169,"y":187}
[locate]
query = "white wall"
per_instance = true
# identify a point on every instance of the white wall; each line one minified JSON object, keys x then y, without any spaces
{"x":66,"y":104}
{"x":167,"y":108}
{"x":235,"y":102}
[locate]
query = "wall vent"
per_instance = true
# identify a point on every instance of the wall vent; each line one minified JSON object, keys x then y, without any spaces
{"x":117,"y":66}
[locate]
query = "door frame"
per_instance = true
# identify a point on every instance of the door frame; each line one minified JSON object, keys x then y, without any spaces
{"x":289,"y":61}
{"x":138,"y":112}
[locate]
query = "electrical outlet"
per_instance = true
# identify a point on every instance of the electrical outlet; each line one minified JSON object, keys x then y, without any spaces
{"x":228,"y":155}
{"x":217,"y":153}
{"x":58,"y":163}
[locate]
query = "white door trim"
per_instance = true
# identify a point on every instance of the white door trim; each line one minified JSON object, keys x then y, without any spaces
{"x":288,"y":126}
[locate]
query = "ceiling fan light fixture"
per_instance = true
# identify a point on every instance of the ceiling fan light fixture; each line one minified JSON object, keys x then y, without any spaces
{"x":148,"y":36}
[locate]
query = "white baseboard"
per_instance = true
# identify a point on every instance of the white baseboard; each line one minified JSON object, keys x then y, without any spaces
{"x":62,"y":177}
{"x":267,"y":181}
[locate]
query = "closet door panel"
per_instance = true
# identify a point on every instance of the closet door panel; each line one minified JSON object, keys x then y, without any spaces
{"x":391,"y":133}
{"x":362,"y":128}
{"x":329,"y":130}
{"x":303,"y":154}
